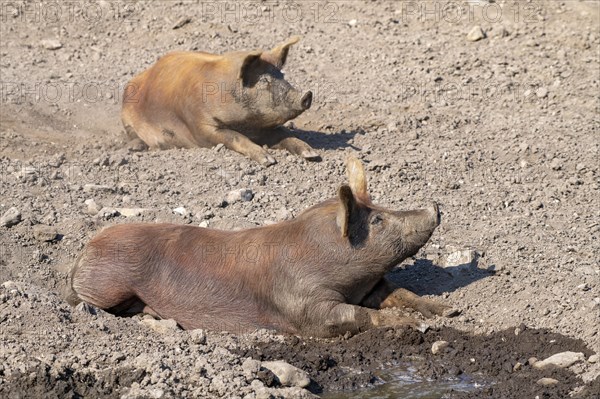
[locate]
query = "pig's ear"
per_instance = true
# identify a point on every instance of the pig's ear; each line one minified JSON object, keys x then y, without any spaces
{"x":248,"y":60}
{"x":357,"y":179}
{"x":279,"y":54}
{"x":346,"y":207}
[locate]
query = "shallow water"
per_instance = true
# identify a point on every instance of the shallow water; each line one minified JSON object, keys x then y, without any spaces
{"x":404,"y":382}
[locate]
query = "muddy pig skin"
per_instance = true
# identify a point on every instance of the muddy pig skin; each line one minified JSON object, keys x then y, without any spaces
{"x":240,"y":99}
{"x":320,"y":274}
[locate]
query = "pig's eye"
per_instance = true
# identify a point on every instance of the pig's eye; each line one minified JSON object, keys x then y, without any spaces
{"x":376,"y":220}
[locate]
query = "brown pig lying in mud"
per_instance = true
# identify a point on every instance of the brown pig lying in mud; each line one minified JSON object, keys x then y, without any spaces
{"x":240,"y":99}
{"x":320,"y":274}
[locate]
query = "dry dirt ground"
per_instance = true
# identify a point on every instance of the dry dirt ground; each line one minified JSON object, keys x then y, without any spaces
{"x":503,"y":132}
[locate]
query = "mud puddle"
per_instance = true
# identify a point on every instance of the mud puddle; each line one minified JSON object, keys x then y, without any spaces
{"x":404,"y":381}
{"x":399,"y":363}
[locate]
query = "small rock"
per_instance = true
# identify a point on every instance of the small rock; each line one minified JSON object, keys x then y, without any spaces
{"x":439,"y":346}
{"x":92,"y":207}
{"x":10,"y":217}
{"x":476,"y":34}
{"x":107,"y":213}
{"x":466,"y":258}
{"x":547,"y":381}
{"x":167,"y":326}
{"x":287,"y":374}
{"x":129,"y":212}
{"x":44,"y":233}
{"x":352,"y":22}
{"x":244,"y":194}
{"x":182,"y":22}
{"x":251,"y":366}
{"x":518,"y":366}
{"x":51,"y":44}
{"x":594,"y":359}
{"x":561,"y":360}
{"x":378,"y":164}
{"x":89,"y":188}
{"x":181,"y":211}
{"x":84,"y":307}
{"x":283,"y":214}
{"x":198,"y":336}
{"x":542,"y":92}
{"x":203,"y":223}
{"x":583,"y":287}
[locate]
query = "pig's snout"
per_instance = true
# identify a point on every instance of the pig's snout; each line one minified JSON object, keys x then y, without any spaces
{"x":306,"y":100}
{"x":434,"y":211}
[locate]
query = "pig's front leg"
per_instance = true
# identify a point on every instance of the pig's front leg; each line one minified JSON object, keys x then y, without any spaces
{"x":343,"y":318}
{"x":282,"y":138}
{"x":384,"y":295}
{"x":238,"y":142}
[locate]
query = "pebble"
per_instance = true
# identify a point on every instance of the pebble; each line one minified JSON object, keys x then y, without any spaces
{"x":181,"y":211}
{"x":10,"y":217}
{"x":561,"y":360}
{"x":243,"y":194}
{"x":547,"y":381}
{"x":181,"y":22}
{"x":476,"y":34}
{"x":251,"y":366}
{"x":287,"y":374}
{"x":542,"y":92}
{"x":167,"y":326}
{"x":92,"y":207}
{"x":466,"y":258}
{"x":198,"y":336}
{"x":130,"y":212}
{"x":44,"y":233}
{"x":51,"y":44}
{"x":203,"y":223}
{"x":352,"y":22}
{"x":89,"y":188}
{"x":439,"y":346}
{"x":594,"y":359}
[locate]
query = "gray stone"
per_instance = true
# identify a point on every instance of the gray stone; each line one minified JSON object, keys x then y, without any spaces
{"x":90,"y":188}
{"x":476,"y":34}
{"x":287,"y":374}
{"x":439,"y":346}
{"x":251,"y":366}
{"x":10,"y":217}
{"x":180,"y":211}
{"x":130,"y":212}
{"x":198,"y":336}
{"x":594,"y":359}
{"x":461,"y":259}
{"x":92,"y":207}
{"x":51,"y":44}
{"x":547,"y":381}
{"x":561,"y":360}
{"x":167,"y":326}
{"x":244,"y":194}
{"x":542,"y":92}
{"x":44,"y":233}
{"x":181,"y":22}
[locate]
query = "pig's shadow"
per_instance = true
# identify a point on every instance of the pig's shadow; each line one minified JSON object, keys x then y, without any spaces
{"x":327,"y":141}
{"x":425,"y":278}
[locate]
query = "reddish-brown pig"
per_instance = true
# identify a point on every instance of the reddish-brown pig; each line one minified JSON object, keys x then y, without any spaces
{"x":320,"y":274}
{"x":239,"y":99}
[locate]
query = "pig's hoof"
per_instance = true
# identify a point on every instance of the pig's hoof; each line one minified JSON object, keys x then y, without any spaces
{"x":267,"y":160}
{"x":310,"y":155}
{"x":451,"y":312}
